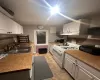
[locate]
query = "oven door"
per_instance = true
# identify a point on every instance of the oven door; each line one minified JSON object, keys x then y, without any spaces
{"x":58,"y":57}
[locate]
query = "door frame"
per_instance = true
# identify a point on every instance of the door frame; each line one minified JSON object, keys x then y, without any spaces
{"x":35,"y":37}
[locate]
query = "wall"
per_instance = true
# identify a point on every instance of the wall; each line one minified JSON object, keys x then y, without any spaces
{"x":29,"y":30}
{"x":5,"y":40}
{"x":95,"y":21}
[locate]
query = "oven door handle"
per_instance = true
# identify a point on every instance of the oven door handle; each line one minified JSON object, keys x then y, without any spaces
{"x":58,"y":52}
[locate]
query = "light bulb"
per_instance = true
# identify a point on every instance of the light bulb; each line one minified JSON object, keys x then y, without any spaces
{"x":55,"y":10}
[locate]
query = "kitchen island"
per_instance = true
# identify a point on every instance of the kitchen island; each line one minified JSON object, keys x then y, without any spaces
{"x":16,"y":67}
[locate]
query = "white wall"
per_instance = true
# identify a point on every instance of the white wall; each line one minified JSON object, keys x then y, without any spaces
{"x":29,"y":30}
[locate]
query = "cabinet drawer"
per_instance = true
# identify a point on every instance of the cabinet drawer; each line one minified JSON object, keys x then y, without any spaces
{"x":91,"y":70}
{"x":70,"y":57}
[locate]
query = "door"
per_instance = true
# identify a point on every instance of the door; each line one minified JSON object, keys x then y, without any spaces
{"x":82,"y":74}
{"x":41,"y":37}
{"x":69,"y":66}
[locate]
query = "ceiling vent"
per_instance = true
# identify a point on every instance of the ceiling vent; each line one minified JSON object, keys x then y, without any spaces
{"x":6,"y":11}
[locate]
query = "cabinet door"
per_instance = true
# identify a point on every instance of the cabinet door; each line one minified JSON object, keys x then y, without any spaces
{"x":96,"y":79}
{"x":75,"y":26}
{"x":21,"y":29}
{"x":69,"y":66}
{"x":82,"y":74}
{"x":65,"y":28}
{"x":13,"y":27}
{"x":3,"y":23}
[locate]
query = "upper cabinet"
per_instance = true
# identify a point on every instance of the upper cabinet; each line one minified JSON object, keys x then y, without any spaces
{"x":3,"y":23}
{"x":76,"y":28}
{"x":20,"y":29}
{"x":8,"y":26}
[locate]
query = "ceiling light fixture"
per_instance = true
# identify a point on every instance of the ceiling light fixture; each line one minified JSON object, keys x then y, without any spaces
{"x":54,"y":10}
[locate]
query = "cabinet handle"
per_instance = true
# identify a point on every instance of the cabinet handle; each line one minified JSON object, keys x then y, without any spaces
{"x":8,"y":32}
{"x":77,"y":69}
{"x":74,"y":63}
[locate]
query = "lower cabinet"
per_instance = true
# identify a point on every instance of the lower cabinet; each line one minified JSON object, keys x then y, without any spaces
{"x":70,"y":66}
{"x":82,"y":74}
{"x":17,"y":75}
{"x":77,"y":71}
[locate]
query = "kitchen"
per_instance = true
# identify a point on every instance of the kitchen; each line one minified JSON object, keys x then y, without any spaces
{"x":49,"y":40}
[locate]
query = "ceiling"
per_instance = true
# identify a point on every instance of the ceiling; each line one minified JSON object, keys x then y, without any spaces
{"x":36,"y":12}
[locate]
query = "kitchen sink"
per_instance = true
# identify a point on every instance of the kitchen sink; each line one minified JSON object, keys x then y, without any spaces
{"x":20,"y":50}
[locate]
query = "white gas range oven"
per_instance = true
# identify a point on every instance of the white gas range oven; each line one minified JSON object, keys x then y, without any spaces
{"x":58,"y":53}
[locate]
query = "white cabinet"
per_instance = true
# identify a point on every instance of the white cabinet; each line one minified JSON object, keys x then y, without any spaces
{"x":69,"y":66}
{"x":76,"y":28}
{"x":20,"y":29}
{"x":8,"y":26}
{"x":96,"y":79}
{"x":3,"y":24}
{"x":79,"y":70}
{"x":82,"y":74}
{"x":13,"y":28}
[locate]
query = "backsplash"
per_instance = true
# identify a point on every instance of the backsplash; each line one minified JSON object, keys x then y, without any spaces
{"x":6,"y":39}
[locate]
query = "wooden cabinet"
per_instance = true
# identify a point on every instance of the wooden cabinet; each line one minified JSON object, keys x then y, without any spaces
{"x":8,"y":26}
{"x":79,"y":70}
{"x":76,"y":28}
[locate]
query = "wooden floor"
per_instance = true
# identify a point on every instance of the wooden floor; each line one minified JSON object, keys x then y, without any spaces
{"x":58,"y":73}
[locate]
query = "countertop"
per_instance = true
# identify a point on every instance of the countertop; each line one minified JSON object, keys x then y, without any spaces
{"x":91,"y":60}
{"x":16,"y":62}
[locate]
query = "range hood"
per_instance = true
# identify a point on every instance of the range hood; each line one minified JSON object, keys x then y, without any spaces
{"x":94,"y":31}
{"x":75,"y":33}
